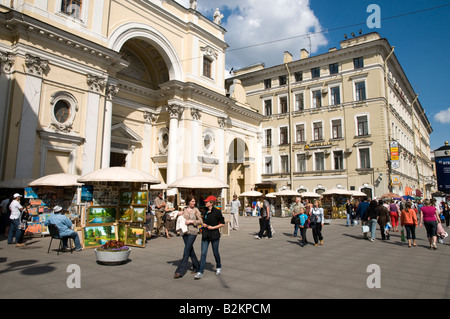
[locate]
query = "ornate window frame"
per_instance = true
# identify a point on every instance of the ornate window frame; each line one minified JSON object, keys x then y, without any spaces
{"x":72,"y":102}
{"x":163,"y":150}
{"x":208,"y":149}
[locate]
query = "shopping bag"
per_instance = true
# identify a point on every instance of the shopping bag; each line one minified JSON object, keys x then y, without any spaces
{"x":403,"y":235}
{"x":365,"y":229}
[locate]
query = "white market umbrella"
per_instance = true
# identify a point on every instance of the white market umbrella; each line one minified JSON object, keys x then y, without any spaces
{"x":198,"y":181}
{"x":270,"y":195}
{"x":251,"y":194}
{"x":310,"y":194}
{"x":337,"y":191}
{"x":16,"y":183}
{"x":62,"y":180}
{"x":119,"y":174}
{"x":161,"y":186}
{"x":287,"y":192}
{"x":358,"y":194}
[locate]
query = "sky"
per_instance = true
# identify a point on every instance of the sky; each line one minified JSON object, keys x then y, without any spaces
{"x":262,"y":30}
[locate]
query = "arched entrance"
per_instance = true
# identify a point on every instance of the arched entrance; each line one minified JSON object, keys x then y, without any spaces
{"x":237,"y":155}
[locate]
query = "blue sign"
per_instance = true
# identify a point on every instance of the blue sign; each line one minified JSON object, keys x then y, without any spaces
{"x":443,"y":174}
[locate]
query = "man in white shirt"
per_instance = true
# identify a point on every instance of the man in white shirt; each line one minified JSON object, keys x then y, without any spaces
{"x":235,"y":205}
{"x":16,"y":209}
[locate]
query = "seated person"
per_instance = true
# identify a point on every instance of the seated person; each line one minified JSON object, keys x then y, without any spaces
{"x":64,"y":225}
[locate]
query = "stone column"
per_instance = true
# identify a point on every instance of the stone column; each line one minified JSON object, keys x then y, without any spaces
{"x":195,"y":145}
{"x":221,"y":142}
{"x":34,"y":67}
{"x":111,"y":91}
{"x":96,"y":86}
{"x":173,"y":156}
{"x":6,"y":65}
{"x":150,"y":120}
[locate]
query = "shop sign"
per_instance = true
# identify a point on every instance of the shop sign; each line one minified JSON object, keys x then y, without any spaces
{"x":395,"y":180}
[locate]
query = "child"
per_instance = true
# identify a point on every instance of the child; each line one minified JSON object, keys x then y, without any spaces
{"x":303,"y":226}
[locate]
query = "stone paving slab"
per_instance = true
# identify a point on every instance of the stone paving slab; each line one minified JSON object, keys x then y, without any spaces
{"x":277,"y":268}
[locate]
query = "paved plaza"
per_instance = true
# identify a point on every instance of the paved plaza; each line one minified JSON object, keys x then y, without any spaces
{"x":277,"y":268}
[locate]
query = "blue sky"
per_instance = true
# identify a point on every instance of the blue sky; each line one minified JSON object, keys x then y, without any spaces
{"x":421,"y":40}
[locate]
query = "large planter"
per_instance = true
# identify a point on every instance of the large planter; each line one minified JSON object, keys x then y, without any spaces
{"x":112,"y":258}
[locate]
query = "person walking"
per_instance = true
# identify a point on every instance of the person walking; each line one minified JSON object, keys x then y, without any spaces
{"x":394,"y":212}
{"x":408,"y":220}
{"x":24,"y":218}
{"x":316,"y":220}
{"x":16,"y":210}
{"x":160,"y":207}
{"x":371,"y":216}
{"x":350,"y":209}
{"x":264,"y":220}
{"x":429,"y":217}
{"x":212,"y":222}
{"x":235,"y":206}
{"x":383,"y":219}
{"x":296,"y":210}
{"x":192,"y":219}
{"x":64,"y":225}
{"x":303,"y":226}
{"x":446,"y":213}
{"x":169,"y":223}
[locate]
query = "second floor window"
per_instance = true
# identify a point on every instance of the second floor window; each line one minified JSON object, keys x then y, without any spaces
{"x":360,"y":91}
{"x":334,"y":68}
{"x":283,"y":105}
{"x":298,"y":76}
{"x":319,"y":161}
{"x":268,"y":137}
{"x":358,"y":63}
{"x":335,"y":95}
{"x":284,"y":136}
{"x":72,"y":8}
{"x":364,"y":158}
{"x":315,"y":72}
{"x":301,"y":163}
{"x":336,"y":129}
{"x":317,"y":99}
{"x":284,"y":164}
{"x":299,"y":102}
{"x":318,"y":131}
{"x":338,"y":160}
{"x":363,"y":125}
{"x":300,"y":133}
{"x":207,"y":67}
{"x":283,"y":79}
{"x":267,"y":84}
{"x":268,"y":165}
{"x":268,"y":107}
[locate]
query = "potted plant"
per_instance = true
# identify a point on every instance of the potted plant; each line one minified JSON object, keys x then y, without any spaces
{"x":113,"y":252}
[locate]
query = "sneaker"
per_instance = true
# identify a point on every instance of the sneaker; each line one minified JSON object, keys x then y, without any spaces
{"x":199,"y":275}
{"x":79,"y":249}
{"x":218,"y":271}
{"x":257,"y":237}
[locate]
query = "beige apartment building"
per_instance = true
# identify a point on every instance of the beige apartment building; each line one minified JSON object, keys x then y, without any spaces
{"x":90,"y":84}
{"x":329,"y":121}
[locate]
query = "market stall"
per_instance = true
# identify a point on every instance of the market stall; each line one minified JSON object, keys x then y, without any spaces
{"x":116,"y":201}
{"x":284,"y":199}
{"x":248,"y":196}
{"x":47,"y":192}
{"x":333,"y":203}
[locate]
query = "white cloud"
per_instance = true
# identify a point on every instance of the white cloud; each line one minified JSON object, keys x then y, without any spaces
{"x":255,"y":28}
{"x":443,"y":117}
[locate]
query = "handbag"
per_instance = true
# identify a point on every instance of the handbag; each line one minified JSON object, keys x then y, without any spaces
{"x":365,"y":228}
{"x":295,"y":220}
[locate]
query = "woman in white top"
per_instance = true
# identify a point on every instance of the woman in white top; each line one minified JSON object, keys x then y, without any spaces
{"x":316,"y":220}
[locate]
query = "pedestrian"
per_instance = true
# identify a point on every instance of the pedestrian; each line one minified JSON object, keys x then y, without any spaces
{"x":213,"y":220}
{"x":149,"y":221}
{"x":64,"y":224}
{"x":235,"y":206}
{"x":264,"y":219}
{"x":5,"y":213}
{"x":350,"y":209}
{"x":384,"y":219}
{"x":14,"y":219}
{"x":429,"y":217}
{"x":169,"y":223}
{"x":303,"y":218}
{"x":371,"y":217}
{"x":248,"y":210}
{"x":408,"y":220}
{"x":23,"y":224}
{"x":160,"y":206}
{"x":394,"y":212}
{"x":192,"y":219}
{"x":316,"y":221}
{"x":446,"y":213}
{"x":296,"y":213}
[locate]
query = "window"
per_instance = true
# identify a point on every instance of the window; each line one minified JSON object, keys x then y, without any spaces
{"x":300,"y":133}
{"x":319,"y":161}
{"x":284,"y":164}
{"x":360,"y":91}
{"x":207,"y":67}
{"x":363,"y":125}
{"x":317,"y":99}
{"x":283,"y":79}
{"x":301,"y":162}
{"x":268,"y":107}
{"x":268,"y":137}
{"x":208,"y":142}
{"x":299,"y":102}
{"x":268,"y":83}
{"x":338,"y":160}
{"x":268,"y":165}
{"x":284,"y":135}
{"x":318,"y":131}
{"x":335,"y":95}
{"x":334,"y":68}
{"x":358,"y":63}
{"x":61,"y":111}
{"x":315,"y":72}
{"x":298,"y":76}
{"x":336,"y":129}
{"x":72,"y":8}
{"x":283,"y":105}
{"x":364,"y":158}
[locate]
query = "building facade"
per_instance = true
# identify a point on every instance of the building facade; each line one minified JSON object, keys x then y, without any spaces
{"x":348,"y":118}
{"x":90,"y":84}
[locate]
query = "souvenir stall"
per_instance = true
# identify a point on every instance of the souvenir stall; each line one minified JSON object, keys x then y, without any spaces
{"x":201,"y":187}
{"x":47,"y":192}
{"x":333,"y":203}
{"x":116,"y":202}
{"x":284,"y":200}
{"x":248,"y":198}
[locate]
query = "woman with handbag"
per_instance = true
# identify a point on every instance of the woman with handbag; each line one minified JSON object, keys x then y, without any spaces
{"x":429,"y":217}
{"x":316,"y":220}
{"x":193,"y":219}
{"x":408,"y":220}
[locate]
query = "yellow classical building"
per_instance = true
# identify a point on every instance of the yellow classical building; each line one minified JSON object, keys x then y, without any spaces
{"x":90,"y":84}
{"x":347,"y":119}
